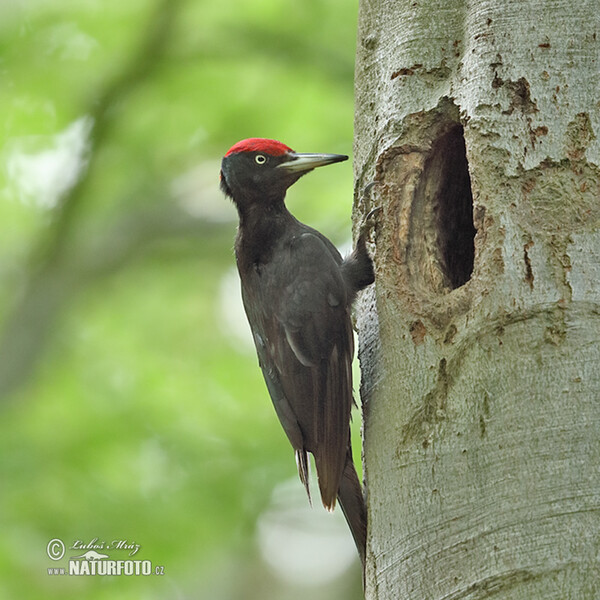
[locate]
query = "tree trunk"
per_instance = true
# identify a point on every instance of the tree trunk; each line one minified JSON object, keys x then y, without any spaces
{"x":480,"y":342}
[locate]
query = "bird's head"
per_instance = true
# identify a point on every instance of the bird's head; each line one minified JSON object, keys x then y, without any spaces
{"x":259,"y":170}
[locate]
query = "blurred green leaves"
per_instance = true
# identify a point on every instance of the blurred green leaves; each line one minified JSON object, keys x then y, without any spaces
{"x":133,"y":411}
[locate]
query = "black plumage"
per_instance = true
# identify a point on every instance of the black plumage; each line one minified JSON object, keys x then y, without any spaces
{"x":297,"y":292}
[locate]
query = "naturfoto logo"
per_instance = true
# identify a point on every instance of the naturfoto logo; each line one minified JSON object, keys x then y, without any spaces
{"x":93,"y":558}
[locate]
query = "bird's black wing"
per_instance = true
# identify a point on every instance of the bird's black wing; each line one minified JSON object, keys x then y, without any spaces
{"x":305,"y":346}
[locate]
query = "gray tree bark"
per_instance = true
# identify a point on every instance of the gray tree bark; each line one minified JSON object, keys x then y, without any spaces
{"x":480,"y":341}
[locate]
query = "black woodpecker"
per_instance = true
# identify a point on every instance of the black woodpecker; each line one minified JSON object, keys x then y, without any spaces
{"x":297,"y":292}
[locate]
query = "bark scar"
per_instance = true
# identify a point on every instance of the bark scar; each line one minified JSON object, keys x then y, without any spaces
{"x":433,"y":406}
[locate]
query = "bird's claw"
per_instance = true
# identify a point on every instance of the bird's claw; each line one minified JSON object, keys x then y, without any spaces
{"x":367,"y":196}
{"x":372,"y":213}
{"x":369,"y":223}
{"x":368,"y":188}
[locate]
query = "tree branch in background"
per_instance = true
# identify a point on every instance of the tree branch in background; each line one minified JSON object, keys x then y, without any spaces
{"x":58,"y":270}
{"x":103,"y":114}
{"x":28,"y":328}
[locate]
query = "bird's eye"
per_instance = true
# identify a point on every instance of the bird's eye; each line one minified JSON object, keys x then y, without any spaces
{"x":260,"y":159}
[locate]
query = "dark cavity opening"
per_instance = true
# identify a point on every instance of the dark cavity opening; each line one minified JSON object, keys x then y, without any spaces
{"x":452,"y":203}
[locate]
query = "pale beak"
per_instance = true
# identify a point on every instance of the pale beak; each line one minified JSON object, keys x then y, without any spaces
{"x":300,"y":163}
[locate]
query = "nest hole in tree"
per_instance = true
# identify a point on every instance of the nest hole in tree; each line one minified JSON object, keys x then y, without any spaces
{"x":448,"y":192}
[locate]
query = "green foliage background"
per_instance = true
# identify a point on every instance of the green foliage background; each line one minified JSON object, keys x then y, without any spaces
{"x":135,"y":413}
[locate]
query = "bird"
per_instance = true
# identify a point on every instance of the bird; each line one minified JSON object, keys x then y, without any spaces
{"x":297,"y":292}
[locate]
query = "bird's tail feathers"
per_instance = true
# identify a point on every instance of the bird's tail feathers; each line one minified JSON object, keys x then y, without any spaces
{"x":304,"y":471}
{"x":353,"y":506}
{"x":329,"y":476}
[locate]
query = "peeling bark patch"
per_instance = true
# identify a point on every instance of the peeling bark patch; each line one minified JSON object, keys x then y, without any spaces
{"x":528,"y":270}
{"x":580,"y":135}
{"x":418,"y":332}
{"x":436,"y":73}
{"x":554,"y":335}
{"x":450,"y":334}
{"x":406,"y":71}
{"x":498,"y":260}
{"x":484,"y":416}
{"x":456,"y":46}
{"x":482,"y":426}
{"x":556,"y":332}
{"x":520,"y":97}
{"x":519,"y":94}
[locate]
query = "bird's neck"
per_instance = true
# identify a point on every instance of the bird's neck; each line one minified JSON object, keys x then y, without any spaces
{"x":261,"y":227}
